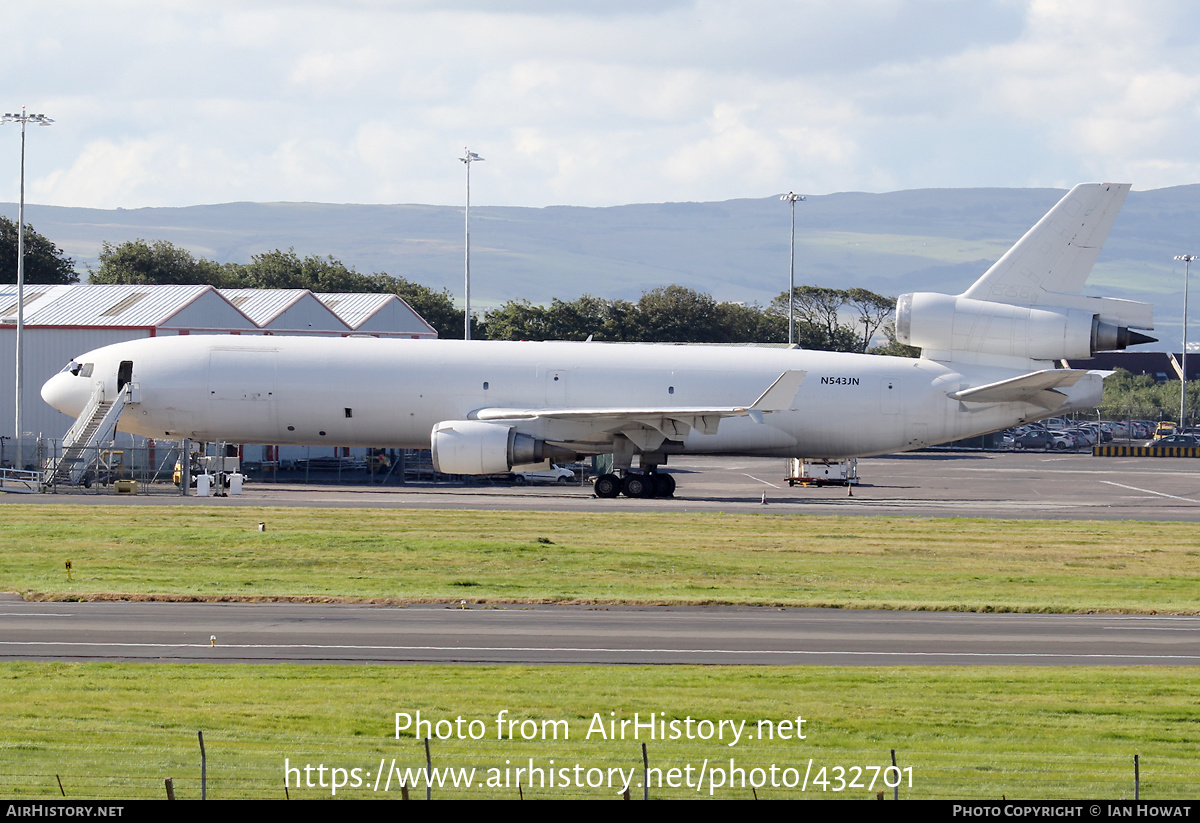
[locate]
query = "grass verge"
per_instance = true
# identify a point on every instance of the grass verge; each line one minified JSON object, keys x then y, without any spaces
{"x":116,"y":731}
{"x":398,"y":555}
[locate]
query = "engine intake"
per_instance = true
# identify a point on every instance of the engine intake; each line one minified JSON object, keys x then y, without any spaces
{"x":477,"y":447}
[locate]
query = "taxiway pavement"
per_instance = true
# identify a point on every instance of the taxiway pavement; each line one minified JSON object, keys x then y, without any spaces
{"x":1050,"y":485}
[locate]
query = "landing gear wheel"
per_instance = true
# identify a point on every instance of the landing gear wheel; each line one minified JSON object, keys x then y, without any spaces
{"x":607,"y":485}
{"x":637,"y":485}
{"x":665,"y":486}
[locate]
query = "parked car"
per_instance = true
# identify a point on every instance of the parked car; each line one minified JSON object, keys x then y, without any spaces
{"x":1084,"y":436}
{"x":1164,"y":428}
{"x":554,"y":474}
{"x":1035,"y":439}
{"x":1063,"y":440}
{"x":1174,"y":440}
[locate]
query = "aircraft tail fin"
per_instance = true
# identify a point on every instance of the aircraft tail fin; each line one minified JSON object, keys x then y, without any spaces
{"x":1056,"y":256}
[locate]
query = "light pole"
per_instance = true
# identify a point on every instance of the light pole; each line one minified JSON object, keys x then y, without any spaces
{"x":23,"y":119}
{"x":468,"y":158}
{"x":792,"y":198}
{"x":1187,"y":262}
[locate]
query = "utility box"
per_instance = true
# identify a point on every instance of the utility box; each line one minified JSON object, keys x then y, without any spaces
{"x":823,"y":472}
{"x":218,"y":463}
{"x":204,"y":485}
{"x":236,"y":479}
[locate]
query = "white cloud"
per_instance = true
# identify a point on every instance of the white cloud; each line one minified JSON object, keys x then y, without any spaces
{"x":594,"y":103}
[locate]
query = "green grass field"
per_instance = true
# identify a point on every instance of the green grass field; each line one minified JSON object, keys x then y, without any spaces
{"x":963,"y":564}
{"x":116,"y":731}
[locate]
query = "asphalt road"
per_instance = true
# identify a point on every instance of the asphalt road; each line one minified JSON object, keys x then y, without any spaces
{"x":274,"y":633}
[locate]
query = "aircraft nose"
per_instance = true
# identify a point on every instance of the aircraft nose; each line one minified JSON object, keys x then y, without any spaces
{"x":66,"y":393}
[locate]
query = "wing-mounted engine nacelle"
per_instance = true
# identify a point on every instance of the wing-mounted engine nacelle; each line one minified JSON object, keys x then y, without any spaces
{"x":476,"y":447}
{"x":942,"y":323}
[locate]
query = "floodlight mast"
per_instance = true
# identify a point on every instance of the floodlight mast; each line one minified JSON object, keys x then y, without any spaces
{"x":791,"y":197}
{"x":468,"y":158}
{"x":23,"y":119}
{"x":1187,"y":262}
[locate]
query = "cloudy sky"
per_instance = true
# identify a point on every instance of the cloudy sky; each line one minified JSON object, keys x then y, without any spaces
{"x":180,"y":102}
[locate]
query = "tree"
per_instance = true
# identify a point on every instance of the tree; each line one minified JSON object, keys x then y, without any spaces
{"x":516,"y":320}
{"x":676,"y":314}
{"x":584,"y":317}
{"x":671,"y":314}
{"x":750,"y":324}
{"x":1142,"y":396}
{"x":817,"y":321}
{"x":158,"y":263}
{"x":44,"y":261}
{"x":280,"y":269}
{"x":873,"y":310}
{"x":818,"y":316}
{"x":579,"y":319}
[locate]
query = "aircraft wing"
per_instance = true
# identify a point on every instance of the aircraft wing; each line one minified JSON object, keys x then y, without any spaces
{"x":1036,"y":387}
{"x":645,"y":425}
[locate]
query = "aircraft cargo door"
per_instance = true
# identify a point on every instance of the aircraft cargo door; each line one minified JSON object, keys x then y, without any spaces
{"x":242,"y":382}
{"x":241,"y":374}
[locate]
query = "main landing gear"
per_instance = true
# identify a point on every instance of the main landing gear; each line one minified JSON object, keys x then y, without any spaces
{"x":635,"y":484}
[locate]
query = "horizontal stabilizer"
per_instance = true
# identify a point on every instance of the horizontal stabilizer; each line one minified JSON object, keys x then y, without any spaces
{"x":1036,"y":388}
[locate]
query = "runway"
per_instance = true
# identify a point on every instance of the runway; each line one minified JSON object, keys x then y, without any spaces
{"x":349,"y":634}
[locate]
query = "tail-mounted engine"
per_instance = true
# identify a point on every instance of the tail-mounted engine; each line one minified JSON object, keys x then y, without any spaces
{"x":942,"y":324}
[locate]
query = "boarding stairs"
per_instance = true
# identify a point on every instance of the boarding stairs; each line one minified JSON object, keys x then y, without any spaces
{"x":81,"y":445}
{"x":20,"y":481}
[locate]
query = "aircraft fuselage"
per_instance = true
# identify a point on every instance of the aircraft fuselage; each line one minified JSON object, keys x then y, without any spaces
{"x":391,"y":393}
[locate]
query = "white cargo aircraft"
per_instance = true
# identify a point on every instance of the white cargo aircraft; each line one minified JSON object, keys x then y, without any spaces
{"x":987,"y":363}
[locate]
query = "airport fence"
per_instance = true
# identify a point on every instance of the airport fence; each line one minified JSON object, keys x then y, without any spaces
{"x":105,"y":469}
{"x":150,"y":467}
{"x":238,"y":768}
